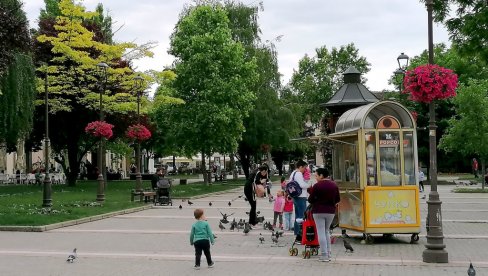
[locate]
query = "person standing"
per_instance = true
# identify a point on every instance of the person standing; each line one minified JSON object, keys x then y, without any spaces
{"x":288,"y":212}
{"x":278,"y":208}
{"x":255,"y":185}
{"x":421,"y":180}
{"x":299,"y":202}
{"x":324,"y":198}
{"x":475,"y":168}
{"x":201,"y":237}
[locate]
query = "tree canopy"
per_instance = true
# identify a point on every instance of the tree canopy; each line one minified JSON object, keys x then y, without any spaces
{"x":212,"y":77}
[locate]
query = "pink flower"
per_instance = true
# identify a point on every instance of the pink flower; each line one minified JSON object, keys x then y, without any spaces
{"x":138,"y":132}
{"x":99,"y":129}
{"x":429,"y":82}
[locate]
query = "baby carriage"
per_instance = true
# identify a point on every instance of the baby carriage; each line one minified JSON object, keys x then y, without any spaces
{"x":309,"y":237}
{"x":163,"y":192}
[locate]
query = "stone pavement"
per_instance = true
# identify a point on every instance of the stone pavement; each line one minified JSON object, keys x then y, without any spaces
{"x":156,"y":242}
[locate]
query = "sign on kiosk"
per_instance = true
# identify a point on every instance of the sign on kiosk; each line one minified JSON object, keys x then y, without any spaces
{"x":392,"y":207}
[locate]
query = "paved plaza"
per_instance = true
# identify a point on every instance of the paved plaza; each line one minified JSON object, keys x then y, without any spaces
{"x":156,"y":242}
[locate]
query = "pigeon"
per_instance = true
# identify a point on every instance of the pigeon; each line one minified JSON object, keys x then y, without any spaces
{"x":210,"y":203}
{"x":274,"y":239}
{"x":247,"y":228}
{"x":260,"y":219}
{"x":72,"y":256}
{"x":224,"y":217}
{"x":261,"y":238}
{"x":190,"y":203}
{"x":229,"y":204}
{"x":279,"y":234}
{"x":221,"y":226}
{"x":347,"y":246}
{"x":180,"y":207}
{"x":233,"y":225}
{"x":240,"y":225}
{"x":471,"y":271}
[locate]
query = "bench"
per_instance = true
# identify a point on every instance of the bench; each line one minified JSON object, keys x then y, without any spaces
{"x":143,"y":194}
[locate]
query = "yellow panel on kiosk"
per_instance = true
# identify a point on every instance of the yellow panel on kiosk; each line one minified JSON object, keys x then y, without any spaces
{"x":392,"y":207}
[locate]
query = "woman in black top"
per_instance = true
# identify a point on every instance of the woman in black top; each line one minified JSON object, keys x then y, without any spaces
{"x":258,"y":178}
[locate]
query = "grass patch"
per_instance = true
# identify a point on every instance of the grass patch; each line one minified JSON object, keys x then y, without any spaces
{"x":469,"y":190}
{"x":22,"y":205}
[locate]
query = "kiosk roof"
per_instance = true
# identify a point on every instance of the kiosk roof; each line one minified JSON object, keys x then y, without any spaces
{"x":367,"y":116}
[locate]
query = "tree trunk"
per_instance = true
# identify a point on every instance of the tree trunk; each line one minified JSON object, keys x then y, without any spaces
{"x":233,"y":166}
{"x":245,"y":163}
{"x":74,"y":164}
{"x":203,"y":170}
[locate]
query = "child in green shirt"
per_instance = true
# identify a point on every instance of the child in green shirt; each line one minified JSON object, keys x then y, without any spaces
{"x":201,"y":236}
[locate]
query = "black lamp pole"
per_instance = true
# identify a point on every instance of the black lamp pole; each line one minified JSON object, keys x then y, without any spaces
{"x":435,"y":248}
{"x":138,"y":84}
{"x":101,"y":182}
{"x":402,"y":60}
{"x":46,"y":195}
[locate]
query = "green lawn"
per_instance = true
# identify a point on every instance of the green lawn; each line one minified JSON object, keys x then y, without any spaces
{"x":21,"y":205}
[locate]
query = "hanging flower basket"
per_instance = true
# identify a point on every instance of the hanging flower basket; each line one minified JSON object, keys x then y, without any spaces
{"x":99,"y":129}
{"x":430,"y":82}
{"x":138,"y":132}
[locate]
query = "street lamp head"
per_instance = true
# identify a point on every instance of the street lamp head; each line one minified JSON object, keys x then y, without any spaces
{"x":402,"y":61}
{"x":138,"y":80}
{"x":399,"y":72}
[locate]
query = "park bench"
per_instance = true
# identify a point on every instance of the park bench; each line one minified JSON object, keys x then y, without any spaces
{"x":146,"y":195}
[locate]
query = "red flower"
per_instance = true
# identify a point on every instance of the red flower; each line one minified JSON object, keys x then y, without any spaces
{"x":138,"y":132}
{"x":99,"y":129}
{"x":430,"y":82}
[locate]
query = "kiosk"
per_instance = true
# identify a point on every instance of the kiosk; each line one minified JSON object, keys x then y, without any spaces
{"x":375,"y":165}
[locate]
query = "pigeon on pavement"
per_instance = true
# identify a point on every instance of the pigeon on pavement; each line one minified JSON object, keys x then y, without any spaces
{"x":229,"y":203}
{"x":221,"y":226}
{"x":347,"y":246}
{"x":190,"y":203}
{"x":247,"y":228}
{"x":180,"y":207}
{"x":261,"y":238}
{"x":72,"y":256}
{"x":210,"y":203}
{"x":471,"y":271}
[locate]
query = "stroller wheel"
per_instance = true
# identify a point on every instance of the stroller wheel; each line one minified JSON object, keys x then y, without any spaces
{"x":295,"y":251}
{"x":291,"y":252}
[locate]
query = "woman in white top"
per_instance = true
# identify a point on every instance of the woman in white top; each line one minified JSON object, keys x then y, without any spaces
{"x":300,"y":202}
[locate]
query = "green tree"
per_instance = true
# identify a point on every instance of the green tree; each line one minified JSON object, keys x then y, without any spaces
{"x":467,"y":26}
{"x":319,"y":77}
{"x":17,"y":80}
{"x":213,"y":79}
{"x":468,"y":130}
{"x":466,"y":68}
{"x":14,"y":33}
{"x":75,"y":84}
{"x":16,"y":103}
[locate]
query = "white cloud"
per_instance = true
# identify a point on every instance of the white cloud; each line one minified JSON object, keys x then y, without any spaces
{"x":380,"y":29}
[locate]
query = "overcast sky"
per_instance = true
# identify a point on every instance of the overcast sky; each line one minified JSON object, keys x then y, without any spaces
{"x":380,"y":29}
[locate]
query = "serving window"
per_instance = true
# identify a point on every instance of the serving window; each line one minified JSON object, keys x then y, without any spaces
{"x":345,"y":165}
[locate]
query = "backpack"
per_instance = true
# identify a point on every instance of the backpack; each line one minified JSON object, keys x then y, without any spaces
{"x":293,"y":188}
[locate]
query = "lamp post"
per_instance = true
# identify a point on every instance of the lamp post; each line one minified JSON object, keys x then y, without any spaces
{"x":101,"y":183}
{"x":435,"y":248}
{"x":402,"y":60}
{"x":46,"y":195}
{"x":138,"y":84}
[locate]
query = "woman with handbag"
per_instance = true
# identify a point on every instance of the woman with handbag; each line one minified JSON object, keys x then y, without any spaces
{"x":255,"y":187}
{"x":324,"y":197}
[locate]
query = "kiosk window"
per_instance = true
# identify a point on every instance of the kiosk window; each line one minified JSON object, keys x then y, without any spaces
{"x":389,"y":143}
{"x":370,"y":142}
{"x":338,"y":163}
{"x":408,"y":152}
